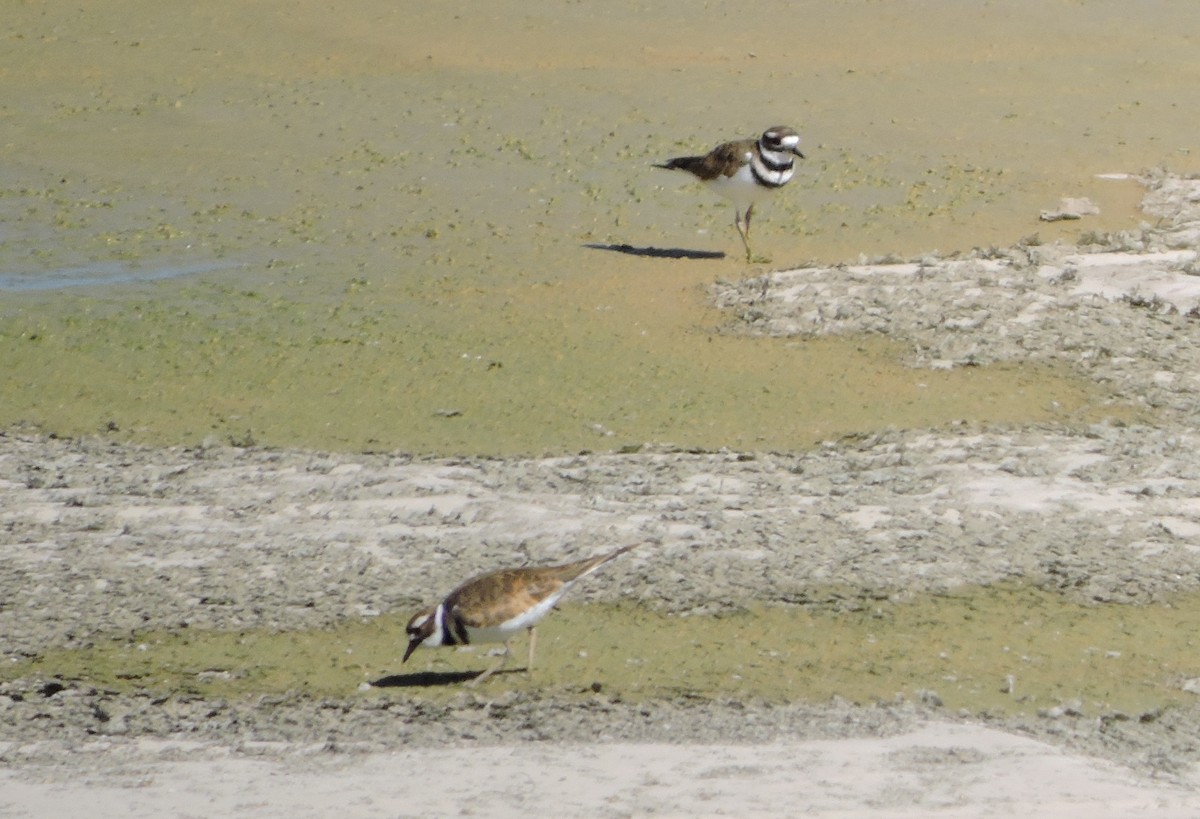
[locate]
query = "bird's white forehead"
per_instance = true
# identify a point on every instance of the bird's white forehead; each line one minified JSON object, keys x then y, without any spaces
{"x":790,"y":141}
{"x":418,"y":621}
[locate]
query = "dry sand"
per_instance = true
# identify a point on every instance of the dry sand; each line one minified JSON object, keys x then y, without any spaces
{"x":936,"y":769}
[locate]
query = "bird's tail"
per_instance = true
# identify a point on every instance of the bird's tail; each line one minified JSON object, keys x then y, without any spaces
{"x":591,"y":564}
{"x":679,"y":163}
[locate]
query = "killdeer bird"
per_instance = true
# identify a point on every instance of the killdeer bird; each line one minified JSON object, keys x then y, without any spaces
{"x":744,"y":171}
{"x":493,"y":607}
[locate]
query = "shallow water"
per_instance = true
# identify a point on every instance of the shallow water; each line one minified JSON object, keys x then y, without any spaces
{"x":408,"y":224}
{"x":103,"y":274}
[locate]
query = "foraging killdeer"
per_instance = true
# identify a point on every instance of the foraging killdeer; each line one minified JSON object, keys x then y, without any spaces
{"x":493,"y":607}
{"x":745,"y":170}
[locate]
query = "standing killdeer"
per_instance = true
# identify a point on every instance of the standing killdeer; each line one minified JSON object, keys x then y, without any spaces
{"x":493,"y":607}
{"x":744,"y":171}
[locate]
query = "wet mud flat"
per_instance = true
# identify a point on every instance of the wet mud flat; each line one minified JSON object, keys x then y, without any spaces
{"x":226,"y":225}
{"x":114,"y":550}
{"x":291,"y":226}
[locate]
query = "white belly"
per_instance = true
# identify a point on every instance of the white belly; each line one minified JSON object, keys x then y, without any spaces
{"x":503,"y":632}
{"x":742,"y":189}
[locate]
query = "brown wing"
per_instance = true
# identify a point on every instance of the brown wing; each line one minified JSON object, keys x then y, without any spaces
{"x":724,"y":160}
{"x":492,"y":598}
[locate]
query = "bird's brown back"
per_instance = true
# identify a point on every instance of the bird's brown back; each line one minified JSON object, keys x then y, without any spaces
{"x":494,"y":597}
{"x":725,"y":158}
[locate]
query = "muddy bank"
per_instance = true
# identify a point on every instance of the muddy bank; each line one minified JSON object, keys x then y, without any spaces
{"x":272,"y":542}
{"x":106,"y":543}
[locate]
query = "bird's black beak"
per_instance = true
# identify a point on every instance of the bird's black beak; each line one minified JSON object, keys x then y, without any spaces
{"x":796,"y":151}
{"x":412,"y":646}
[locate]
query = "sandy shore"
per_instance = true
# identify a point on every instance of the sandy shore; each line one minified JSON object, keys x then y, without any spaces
{"x":936,"y":769}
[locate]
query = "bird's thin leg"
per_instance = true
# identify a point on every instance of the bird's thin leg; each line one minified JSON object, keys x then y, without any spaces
{"x":503,"y":661}
{"x":532,"y":645}
{"x":745,"y":234}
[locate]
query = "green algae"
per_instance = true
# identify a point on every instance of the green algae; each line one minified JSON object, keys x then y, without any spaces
{"x":509,"y":379}
{"x":1002,"y":650}
{"x":405,"y":238}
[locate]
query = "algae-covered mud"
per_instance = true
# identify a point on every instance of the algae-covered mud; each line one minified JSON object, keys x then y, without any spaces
{"x":1003,"y":651}
{"x":437,"y":229}
{"x":309,"y":313}
{"x":1041,"y":579}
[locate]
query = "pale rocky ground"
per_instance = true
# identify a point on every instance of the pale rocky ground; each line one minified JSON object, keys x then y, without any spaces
{"x":101,"y":538}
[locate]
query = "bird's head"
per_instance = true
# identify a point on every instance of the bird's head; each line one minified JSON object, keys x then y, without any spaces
{"x":423,"y":629}
{"x":781,"y":140}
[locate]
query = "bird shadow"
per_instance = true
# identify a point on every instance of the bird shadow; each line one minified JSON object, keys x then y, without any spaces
{"x":658,"y":252}
{"x":429,"y":679}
